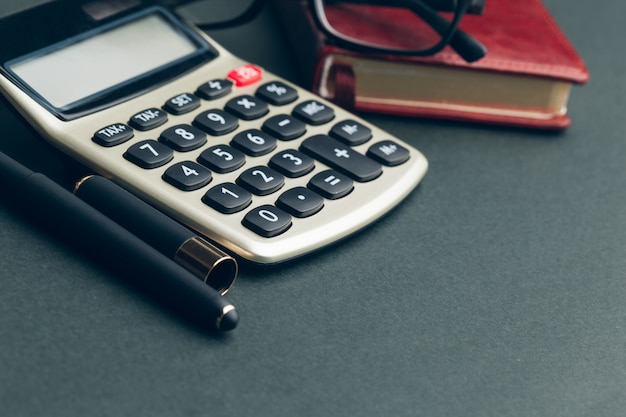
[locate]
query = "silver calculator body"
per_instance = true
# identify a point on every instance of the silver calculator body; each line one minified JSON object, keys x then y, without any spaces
{"x":289,"y":173}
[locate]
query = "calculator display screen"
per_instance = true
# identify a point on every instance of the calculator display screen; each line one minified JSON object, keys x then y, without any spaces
{"x":77,"y":70}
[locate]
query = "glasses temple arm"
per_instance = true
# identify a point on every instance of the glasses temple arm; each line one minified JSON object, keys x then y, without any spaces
{"x":463,"y":44}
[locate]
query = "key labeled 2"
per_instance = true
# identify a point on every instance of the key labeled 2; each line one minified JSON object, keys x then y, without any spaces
{"x":261,"y":180}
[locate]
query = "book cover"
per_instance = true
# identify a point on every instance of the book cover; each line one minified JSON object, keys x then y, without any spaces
{"x":524,"y":80}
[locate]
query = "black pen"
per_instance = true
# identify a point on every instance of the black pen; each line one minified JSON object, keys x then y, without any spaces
{"x":64,"y":213}
{"x":169,"y":237}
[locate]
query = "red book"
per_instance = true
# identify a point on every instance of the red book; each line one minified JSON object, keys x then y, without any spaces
{"x":524,"y":80}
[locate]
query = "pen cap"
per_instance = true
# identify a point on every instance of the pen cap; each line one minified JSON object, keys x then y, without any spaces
{"x":204,"y":260}
{"x":213,"y":266}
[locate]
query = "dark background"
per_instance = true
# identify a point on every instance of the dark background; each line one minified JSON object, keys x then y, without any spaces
{"x":498,"y":288}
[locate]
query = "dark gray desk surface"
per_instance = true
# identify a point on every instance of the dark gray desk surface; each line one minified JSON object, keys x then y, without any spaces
{"x":497,"y":289}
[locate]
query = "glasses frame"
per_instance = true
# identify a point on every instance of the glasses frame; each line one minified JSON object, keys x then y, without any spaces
{"x":462,"y":43}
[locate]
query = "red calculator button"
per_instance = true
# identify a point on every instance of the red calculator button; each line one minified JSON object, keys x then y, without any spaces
{"x":245,"y":75}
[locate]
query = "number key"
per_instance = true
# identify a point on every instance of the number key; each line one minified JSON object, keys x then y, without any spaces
{"x":187,"y":175}
{"x":183,"y":138}
{"x":222,"y":158}
{"x":267,"y":221}
{"x":216,"y":122}
{"x":149,"y":154}
{"x":261,"y":180}
{"x":254,"y":142}
{"x":227,"y":198}
{"x":292,"y":163}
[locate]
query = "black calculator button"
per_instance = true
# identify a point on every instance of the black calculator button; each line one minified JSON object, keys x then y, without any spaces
{"x":214,"y":89}
{"x":277,"y":93}
{"x":331,"y":184}
{"x":292,"y":163}
{"x":182,"y":103}
{"x":113,"y":134}
{"x":148,"y":119}
{"x":222,"y":158}
{"x":247,"y":107}
{"x":216,"y":122}
{"x":261,"y":180}
{"x":341,"y":157}
{"x":300,"y":202}
{"x":149,"y":154}
{"x":313,"y":112}
{"x":284,"y":127}
{"x":254,"y":142}
{"x":267,"y":221}
{"x":351,"y":132}
{"x":227,"y":198}
{"x":389,"y":153}
{"x":187,"y":175}
{"x":183,"y":138}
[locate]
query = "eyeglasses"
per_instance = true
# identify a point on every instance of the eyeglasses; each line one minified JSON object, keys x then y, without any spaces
{"x":423,"y":32}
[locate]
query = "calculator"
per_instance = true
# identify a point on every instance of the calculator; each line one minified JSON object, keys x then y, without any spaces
{"x":259,"y":166}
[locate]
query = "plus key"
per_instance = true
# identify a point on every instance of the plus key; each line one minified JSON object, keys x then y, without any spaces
{"x":341,"y":157}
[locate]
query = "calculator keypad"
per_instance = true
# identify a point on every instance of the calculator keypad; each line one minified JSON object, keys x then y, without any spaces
{"x":237,"y":148}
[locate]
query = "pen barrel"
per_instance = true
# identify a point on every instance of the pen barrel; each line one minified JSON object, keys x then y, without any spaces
{"x":169,"y":237}
{"x":93,"y":233}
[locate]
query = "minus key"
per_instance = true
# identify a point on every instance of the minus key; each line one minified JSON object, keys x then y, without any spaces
{"x":284,"y":127}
